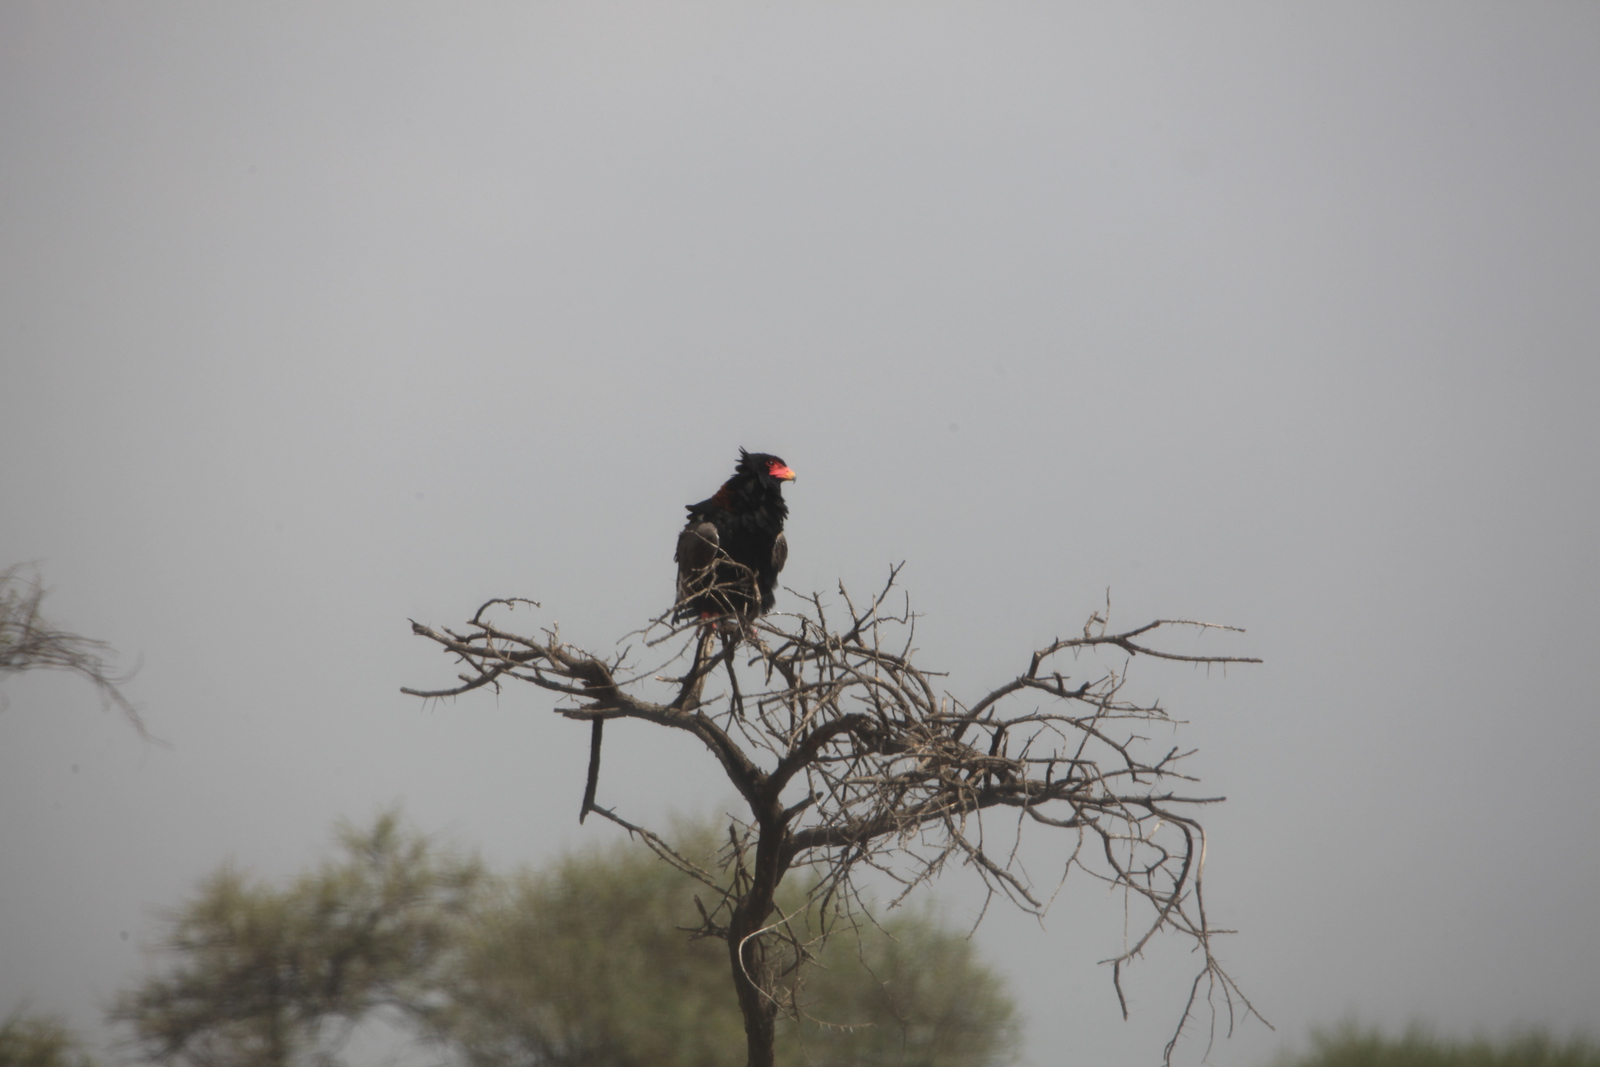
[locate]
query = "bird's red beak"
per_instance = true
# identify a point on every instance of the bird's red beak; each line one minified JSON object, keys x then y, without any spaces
{"x":779,"y":471}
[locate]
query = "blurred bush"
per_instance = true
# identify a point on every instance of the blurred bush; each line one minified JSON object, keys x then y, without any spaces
{"x":1353,"y":1046}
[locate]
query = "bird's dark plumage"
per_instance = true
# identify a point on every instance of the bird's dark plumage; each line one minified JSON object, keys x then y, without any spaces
{"x":732,"y":548}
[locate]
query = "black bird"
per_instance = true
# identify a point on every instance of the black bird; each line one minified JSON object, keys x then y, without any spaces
{"x":732,"y":548}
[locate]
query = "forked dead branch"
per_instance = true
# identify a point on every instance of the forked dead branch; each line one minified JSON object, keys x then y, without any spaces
{"x":853,"y":760}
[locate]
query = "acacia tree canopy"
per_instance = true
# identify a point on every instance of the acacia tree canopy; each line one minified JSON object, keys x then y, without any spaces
{"x":33,"y":1040}
{"x":588,"y":962}
{"x":270,"y":976}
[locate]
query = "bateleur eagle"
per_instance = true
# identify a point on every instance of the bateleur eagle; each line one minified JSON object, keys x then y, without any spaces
{"x":732,"y":548}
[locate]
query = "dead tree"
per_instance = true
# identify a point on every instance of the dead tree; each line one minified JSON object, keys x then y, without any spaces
{"x":853,"y":761}
{"x":29,"y":642}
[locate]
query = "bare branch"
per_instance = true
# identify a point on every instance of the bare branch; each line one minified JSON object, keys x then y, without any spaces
{"x":29,"y":642}
{"x":853,"y":766}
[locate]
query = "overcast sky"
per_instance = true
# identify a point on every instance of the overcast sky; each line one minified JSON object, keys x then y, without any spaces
{"x":315,"y":318}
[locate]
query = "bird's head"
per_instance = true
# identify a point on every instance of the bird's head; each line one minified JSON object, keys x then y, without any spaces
{"x":762,"y":465}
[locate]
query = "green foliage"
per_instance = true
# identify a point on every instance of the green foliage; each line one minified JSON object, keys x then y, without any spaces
{"x":270,"y":977}
{"x":583,"y":964}
{"x":913,"y":993}
{"x":1352,"y":1046}
{"x":39,"y":1041}
{"x":590,"y":963}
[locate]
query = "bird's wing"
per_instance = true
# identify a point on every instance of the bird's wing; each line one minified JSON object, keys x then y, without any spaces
{"x":780,"y":552}
{"x":697,"y":546}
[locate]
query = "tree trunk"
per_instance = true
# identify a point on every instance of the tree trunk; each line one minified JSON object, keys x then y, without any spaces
{"x":760,"y":1013}
{"x":747,"y":951}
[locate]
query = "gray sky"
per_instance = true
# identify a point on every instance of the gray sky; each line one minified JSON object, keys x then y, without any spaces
{"x":317,"y":318}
